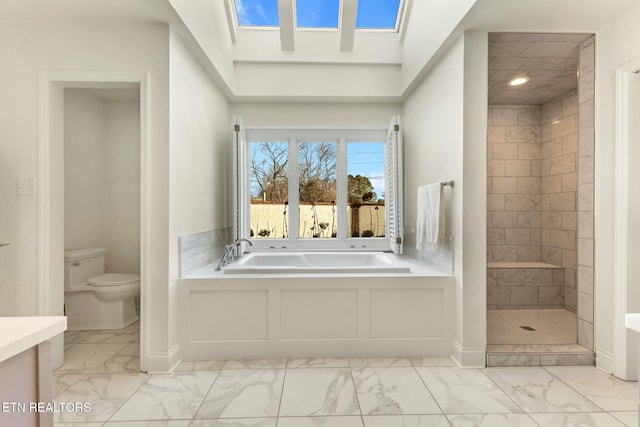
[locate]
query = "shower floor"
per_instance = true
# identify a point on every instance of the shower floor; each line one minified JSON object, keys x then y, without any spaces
{"x":541,"y":326}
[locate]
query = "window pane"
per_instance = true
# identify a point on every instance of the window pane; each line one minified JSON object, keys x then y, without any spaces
{"x":318,"y":189}
{"x":377,"y":13}
{"x":317,"y":13}
{"x":269,"y":189}
{"x":257,"y":13}
{"x":365,"y":189}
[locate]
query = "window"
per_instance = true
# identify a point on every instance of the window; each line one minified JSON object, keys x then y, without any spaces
{"x":377,"y":14}
{"x":257,"y":13}
{"x":318,"y":190}
{"x":317,"y":13}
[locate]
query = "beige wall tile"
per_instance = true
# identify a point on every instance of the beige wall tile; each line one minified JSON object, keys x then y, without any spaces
{"x":570,"y":144}
{"x":538,"y":277}
{"x":496,"y":168}
{"x":571,"y":299}
{"x":523,"y":133}
{"x":569,"y":259}
{"x":570,"y":104}
{"x":505,"y":185}
{"x":528,"y":219}
{"x":585,"y":252}
{"x":562,"y":201}
{"x":535,"y":167}
{"x":563,"y":164}
{"x":529,"y":117}
{"x":529,"y":150}
{"x":517,"y":202}
{"x":563,"y":127}
{"x":585,"y":334}
{"x":585,"y":170}
{"x":495,"y":202}
{"x":499,"y":296}
{"x":517,"y":236}
{"x":551,"y":296}
{"x":552,"y":148}
{"x":585,"y":279}
{"x":496,"y":134}
{"x":536,"y":236}
{"x":569,"y":220}
{"x":551,"y":184}
{"x":570,"y":182}
{"x":563,"y":239}
{"x":517,"y":168}
{"x":505,"y":116}
{"x":528,"y":185}
{"x":587,"y":142}
{"x":524,"y":296}
{"x":505,"y":150}
{"x":558,"y":277}
{"x":495,"y":236}
{"x":505,"y":219}
{"x":585,"y":197}
{"x":570,"y":278}
{"x":587,"y":87}
{"x":529,"y":253}
{"x":510,"y":277}
{"x":586,"y":114}
{"x":551,"y":255}
{"x":551,"y":111}
{"x":505,"y":253}
{"x":551,"y":219}
{"x":585,"y":225}
{"x":585,"y":307}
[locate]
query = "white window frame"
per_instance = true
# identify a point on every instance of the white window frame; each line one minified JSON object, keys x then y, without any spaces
{"x":343,"y":242}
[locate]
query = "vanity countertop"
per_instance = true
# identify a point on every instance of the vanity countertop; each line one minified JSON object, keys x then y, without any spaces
{"x":632,"y":321}
{"x":18,"y":334}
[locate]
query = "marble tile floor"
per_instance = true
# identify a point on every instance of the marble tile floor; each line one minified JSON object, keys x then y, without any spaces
{"x":401,"y":392}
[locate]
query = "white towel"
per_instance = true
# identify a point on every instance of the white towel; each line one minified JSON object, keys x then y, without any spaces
{"x":430,"y":218}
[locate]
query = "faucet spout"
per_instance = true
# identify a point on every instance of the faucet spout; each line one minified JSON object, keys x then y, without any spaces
{"x":227,"y":258}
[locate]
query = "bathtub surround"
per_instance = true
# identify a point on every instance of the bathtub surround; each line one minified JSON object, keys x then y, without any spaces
{"x":200,"y":249}
{"x":273,"y":314}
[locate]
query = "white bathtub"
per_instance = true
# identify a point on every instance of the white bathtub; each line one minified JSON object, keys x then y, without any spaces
{"x":307,"y":305}
{"x":317,"y":262}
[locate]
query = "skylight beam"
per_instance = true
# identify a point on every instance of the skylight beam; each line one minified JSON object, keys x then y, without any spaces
{"x":287,"y":24}
{"x":348,"y":27}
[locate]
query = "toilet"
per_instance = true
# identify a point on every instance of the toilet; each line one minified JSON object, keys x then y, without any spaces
{"x":95,"y":300}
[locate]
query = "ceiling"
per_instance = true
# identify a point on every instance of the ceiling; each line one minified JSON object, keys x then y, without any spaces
{"x":549,"y":60}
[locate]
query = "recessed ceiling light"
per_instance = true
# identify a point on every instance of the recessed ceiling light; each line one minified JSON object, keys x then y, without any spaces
{"x":518,"y":81}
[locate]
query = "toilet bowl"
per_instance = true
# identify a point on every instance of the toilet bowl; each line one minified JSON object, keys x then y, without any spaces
{"x":95,"y":300}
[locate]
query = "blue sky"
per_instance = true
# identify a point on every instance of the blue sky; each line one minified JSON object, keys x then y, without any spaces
{"x":318,"y":13}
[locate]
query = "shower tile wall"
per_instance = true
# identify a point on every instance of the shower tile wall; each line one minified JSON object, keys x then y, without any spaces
{"x":513,"y":216}
{"x":586,"y":111}
{"x":558,"y":186}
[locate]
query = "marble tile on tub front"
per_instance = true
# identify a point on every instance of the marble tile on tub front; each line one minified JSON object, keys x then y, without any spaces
{"x":393,"y":391}
{"x":244,"y":394}
{"x":105,"y":393}
{"x":318,"y":392}
{"x":162,"y":397}
{"x":593,"y":419}
{"x":536,"y":390}
{"x":607,"y":391}
{"x":466,"y":391}
{"x":405,"y":421}
{"x":492,"y":420}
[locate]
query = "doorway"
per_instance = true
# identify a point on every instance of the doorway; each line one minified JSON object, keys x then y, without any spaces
{"x":52,"y":187}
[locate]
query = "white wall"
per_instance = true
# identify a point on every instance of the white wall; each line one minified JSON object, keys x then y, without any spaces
{"x":85,"y":170}
{"x":123,"y":187}
{"x":316,"y":115}
{"x":102,"y":178}
{"x":36,"y":47}
{"x":615,"y":45}
{"x":445,"y":139}
{"x":200,"y":141}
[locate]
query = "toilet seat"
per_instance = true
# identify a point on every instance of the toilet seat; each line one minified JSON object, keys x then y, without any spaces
{"x":114,"y":279}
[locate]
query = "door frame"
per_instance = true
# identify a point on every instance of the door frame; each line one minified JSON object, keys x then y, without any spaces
{"x":51,"y":192}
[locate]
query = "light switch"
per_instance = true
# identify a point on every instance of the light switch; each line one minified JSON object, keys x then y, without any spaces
{"x":26,"y":187}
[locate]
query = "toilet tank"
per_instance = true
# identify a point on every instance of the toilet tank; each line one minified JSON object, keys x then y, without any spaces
{"x":82,"y":264}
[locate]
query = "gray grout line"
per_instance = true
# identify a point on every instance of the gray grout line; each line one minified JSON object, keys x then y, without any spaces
{"x":355,"y":391}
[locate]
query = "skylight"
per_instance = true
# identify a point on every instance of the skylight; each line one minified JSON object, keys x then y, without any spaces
{"x":317,"y":13}
{"x":257,"y":13}
{"x":378,"y":14}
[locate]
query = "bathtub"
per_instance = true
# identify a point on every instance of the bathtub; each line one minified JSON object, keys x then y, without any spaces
{"x":316,"y":262}
{"x":311,"y":305}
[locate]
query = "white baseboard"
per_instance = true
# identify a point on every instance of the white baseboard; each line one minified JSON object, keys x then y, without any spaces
{"x":604,"y":360}
{"x":468,"y":357}
{"x":163,"y":363}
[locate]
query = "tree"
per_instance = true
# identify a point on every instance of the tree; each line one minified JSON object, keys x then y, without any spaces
{"x":268,"y":166}
{"x":317,"y":165}
{"x":359,"y":186}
